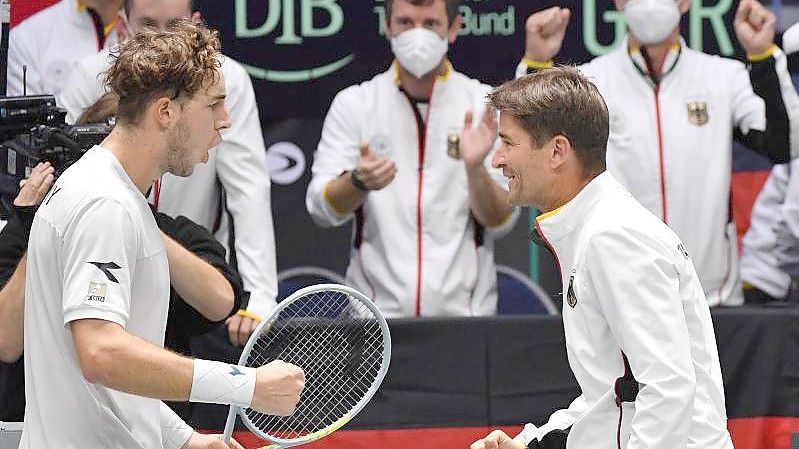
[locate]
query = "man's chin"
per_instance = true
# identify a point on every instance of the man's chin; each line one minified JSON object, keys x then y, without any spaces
{"x":183,"y":172}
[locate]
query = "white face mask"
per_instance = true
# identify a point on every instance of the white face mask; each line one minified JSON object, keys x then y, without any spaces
{"x":651,"y":21}
{"x":419,"y":50}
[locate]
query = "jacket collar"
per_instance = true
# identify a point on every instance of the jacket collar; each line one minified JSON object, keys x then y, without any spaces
{"x":639,"y":63}
{"x":448,"y":69}
{"x":557,"y":226}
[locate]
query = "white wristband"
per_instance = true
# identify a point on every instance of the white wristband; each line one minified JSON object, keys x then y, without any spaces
{"x":222,"y":383}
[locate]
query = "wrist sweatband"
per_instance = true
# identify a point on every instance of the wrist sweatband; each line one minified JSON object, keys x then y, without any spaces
{"x":222,"y":383}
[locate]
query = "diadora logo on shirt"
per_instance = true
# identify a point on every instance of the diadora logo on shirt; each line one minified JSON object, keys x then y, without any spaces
{"x":235,"y":371}
{"x":106,"y":268}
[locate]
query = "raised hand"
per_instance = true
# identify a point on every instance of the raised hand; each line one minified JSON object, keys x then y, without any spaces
{"x":375,"y":172}
{"x":544,"y":32}
{"x":754,"y":26}
{"x":34,"y":188}
{"x":476,"y":141}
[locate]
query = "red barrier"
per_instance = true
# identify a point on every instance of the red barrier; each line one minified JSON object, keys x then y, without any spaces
{"x":747,"y":433}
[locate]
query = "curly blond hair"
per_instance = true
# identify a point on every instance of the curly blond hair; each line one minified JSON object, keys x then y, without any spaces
{"x":173,"y":62}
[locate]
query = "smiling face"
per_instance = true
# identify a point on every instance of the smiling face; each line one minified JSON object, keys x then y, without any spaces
{"x":201,"y":119}
{"x":526,"y":165}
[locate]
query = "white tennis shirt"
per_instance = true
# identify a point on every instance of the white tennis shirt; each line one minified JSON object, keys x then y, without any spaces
{"x":95,"y":252}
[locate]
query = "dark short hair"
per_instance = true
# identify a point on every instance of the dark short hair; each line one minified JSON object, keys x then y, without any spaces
{"x":452,"y":7}
{"x":559,"y":101}
{"x":180,"y":59}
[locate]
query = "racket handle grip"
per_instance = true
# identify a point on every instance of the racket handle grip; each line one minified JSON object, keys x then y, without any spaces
{"x":230,"y":423}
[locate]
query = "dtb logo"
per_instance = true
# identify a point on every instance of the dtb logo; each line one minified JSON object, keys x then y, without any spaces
{"x":291,"y":22}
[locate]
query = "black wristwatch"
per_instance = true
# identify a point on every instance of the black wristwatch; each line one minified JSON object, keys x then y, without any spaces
{"x":357,"y":181}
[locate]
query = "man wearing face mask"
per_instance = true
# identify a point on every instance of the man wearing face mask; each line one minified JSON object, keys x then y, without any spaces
{"x":674,"y":113}
{"x":404,"y":154}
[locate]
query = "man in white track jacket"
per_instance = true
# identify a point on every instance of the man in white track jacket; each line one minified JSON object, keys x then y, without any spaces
{"x":426,"y":205}
{"x":673,"y":115}
{"x":638,"y":331}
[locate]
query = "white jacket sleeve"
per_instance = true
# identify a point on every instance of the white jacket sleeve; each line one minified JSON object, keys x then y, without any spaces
{"x":338,"y":151}
{"x":760,"y":263}
{"x":242,"y":170}
{"x":560,"y":420}
{"x":84,"y":86}
{"x":787,"y":229}
{"x":21,"y":53}
{"x":174,"y":431}
{"x":637,"y":284}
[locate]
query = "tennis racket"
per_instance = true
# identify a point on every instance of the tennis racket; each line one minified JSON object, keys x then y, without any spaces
{"x":340,"y":340}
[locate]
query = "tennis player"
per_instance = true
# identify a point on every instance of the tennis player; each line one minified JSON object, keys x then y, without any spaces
{"x":638,"y":331}
{"x":97,"y":286}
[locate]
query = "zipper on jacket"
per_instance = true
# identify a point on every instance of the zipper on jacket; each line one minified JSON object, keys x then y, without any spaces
{"x":421,"y":132}
{"x":656,"y":79}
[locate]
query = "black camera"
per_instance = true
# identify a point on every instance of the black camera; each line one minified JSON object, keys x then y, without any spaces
{"x":33,"y":130}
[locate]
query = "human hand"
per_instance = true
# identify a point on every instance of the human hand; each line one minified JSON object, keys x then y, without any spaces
{"x":496,"y":440}
{"x":34,"y":188}
{"x":278,"y":386}
{"x":754,"y":26}
{"x":476,"y":141}
{"x":544,"y":31}
{"x":373,"y":171}
{"x":239,"y":328}
{"x":201,"y":441}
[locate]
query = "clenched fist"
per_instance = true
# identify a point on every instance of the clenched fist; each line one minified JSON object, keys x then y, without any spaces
{"x":545,"y":31}
{"x":754,"y":27}
{"x":278,"y":386}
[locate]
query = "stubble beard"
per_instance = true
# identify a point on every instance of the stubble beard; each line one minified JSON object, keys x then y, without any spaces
{"x":177,"y":161}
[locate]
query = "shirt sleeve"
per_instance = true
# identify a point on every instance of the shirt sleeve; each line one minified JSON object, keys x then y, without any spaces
{"x":243,"y":172}
{"x":99,"y":254}
{"x":338,"y":151}
{"x":636,"y":282}
{"x":174,"y":431}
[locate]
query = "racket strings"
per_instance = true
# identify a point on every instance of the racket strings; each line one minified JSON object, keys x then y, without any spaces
{"x":337,"y":341}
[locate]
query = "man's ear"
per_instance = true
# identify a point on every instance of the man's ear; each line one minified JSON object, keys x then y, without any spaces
{"x":562,"y":152}
{"x":163,"y":111}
